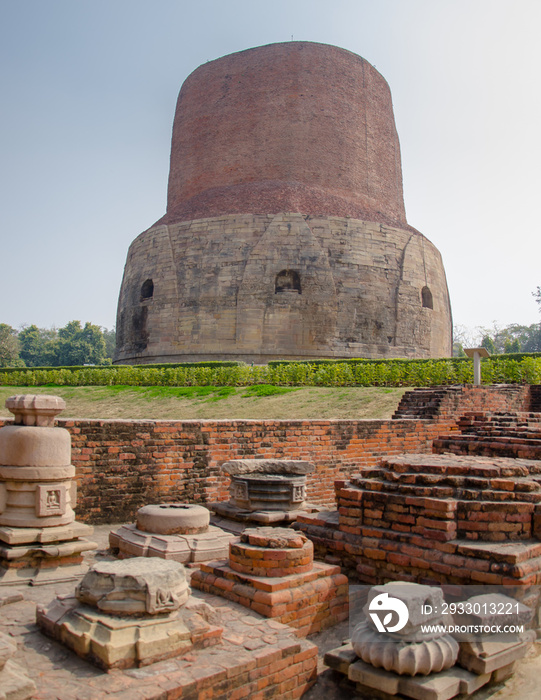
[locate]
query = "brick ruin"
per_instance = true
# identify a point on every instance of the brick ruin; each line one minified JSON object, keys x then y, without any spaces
{"x":467,"y":510}
{"x":469,"y":513}
{"x":285,"y":234}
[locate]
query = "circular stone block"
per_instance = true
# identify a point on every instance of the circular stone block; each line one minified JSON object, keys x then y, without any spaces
{"x":405,"y":658}
{"x":25,"y":446}
{"x":173,"y":519}
{"x":138,"y":586}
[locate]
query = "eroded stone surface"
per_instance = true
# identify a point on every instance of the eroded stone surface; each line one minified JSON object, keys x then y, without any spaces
{"x":213,"y":543}
{"x":237,"y":467}
{"x":14,"y":684}
{"x":112,"y":641}
{"x":139,"y":586}
{"x":415,"y":597}
{"x":274,"y":537}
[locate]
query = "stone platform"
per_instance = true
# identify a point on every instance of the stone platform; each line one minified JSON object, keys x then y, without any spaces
{"x":176,"y":531}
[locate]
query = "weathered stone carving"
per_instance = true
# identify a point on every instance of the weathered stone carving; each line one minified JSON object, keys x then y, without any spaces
{"x":404,"y":658}
{"x":39,"y":540}
{"x":284,"y":237}
{"x":129,"y":613}
{"x":134,"y":587}
{"x":263,"y":491}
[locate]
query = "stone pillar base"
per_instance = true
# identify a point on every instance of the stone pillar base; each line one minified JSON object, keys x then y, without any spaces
{"x":186,"y":549}
{"x":229,"y":517}
{"x":110,"y":641}
{"x":386,"y":685}
{"x":42,"y":560}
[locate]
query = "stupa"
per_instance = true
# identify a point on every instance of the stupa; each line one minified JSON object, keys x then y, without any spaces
{"x":40,"y":541}
{"x":285,"y":235}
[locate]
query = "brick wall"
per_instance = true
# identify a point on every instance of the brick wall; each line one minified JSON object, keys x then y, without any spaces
{"x":123,"y":465}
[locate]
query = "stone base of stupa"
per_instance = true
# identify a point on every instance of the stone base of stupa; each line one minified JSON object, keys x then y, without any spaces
{"x":39,"y":556}
{"x":128,"y":541}
{"x":110,"y":641}
{"x":497,"y":664}
{"x":229,"y":517}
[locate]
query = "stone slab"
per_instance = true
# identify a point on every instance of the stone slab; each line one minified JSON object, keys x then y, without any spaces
{"x":53,"y":551}
{"x":486,"y":657}
{"x":206,"y":546}
{"x":237,"y":467}
{"x":110,"y":641}
{"x":10,"y":595}
{"x":436,"y":686}
{"x":14,"y":684}
{"x":34,"y":576}
{"x":44,"y":535}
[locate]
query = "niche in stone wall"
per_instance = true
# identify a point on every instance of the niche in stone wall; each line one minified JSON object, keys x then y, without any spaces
{"x":147,"y":290}
{"x":288,"y":281}
{"x":426,"y":296}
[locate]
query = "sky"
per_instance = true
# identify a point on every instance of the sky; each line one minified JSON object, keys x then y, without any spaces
{"x":88,"y":96}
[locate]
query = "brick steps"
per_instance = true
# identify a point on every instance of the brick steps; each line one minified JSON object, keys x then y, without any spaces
{"x":512,"y":435}
{"x":422,"y":403}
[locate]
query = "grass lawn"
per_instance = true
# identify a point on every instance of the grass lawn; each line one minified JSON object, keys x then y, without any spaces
{"x":257,"y":402}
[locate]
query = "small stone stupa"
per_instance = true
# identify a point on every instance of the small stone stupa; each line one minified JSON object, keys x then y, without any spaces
{"x":177,"y":531}
{"x":130,"y":613}
{"x":410,"y":643}
{"x":40,"y":542}
{"x":263,"y":492}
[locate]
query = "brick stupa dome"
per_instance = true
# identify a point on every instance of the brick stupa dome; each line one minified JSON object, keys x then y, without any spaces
{"x":285,"y":233}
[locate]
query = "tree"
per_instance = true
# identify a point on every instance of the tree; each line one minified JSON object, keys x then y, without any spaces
{"x":81,"y":346}
{"x":9,"y":347}
{"x":38,"y":346}
{"x":110,"y":342}
{"x":488,"y":344}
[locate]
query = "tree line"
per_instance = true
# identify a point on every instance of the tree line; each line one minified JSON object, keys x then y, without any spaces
{"x":74,"y":344}
{"x":499,"y":340}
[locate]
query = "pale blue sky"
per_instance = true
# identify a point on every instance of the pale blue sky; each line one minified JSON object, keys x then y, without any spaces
{"x":89,"y":90}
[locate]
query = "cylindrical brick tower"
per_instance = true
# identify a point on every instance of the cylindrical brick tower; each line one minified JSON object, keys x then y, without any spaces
{"x":285,"y":234}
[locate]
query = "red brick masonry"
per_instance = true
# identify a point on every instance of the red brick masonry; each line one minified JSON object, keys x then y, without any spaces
{"x":123,"y":465}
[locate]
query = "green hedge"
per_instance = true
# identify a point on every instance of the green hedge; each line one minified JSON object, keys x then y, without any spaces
{"x":499,"y":369}
{"x":163,"y":365}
